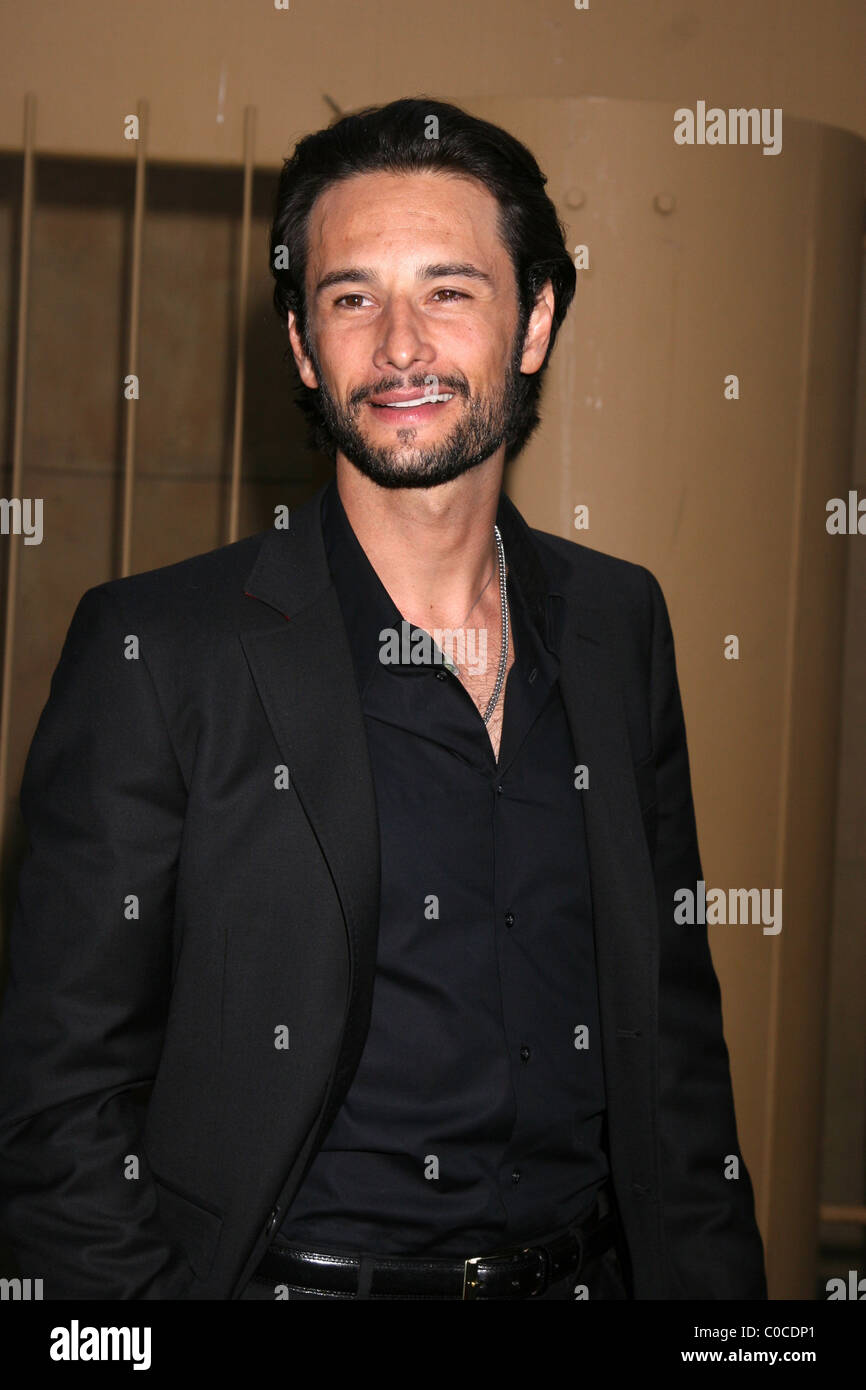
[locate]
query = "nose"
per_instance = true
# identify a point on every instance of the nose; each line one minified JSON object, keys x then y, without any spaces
{"x":403,"y":342}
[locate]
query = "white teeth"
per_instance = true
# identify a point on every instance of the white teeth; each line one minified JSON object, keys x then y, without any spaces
{"x":422,"y":400}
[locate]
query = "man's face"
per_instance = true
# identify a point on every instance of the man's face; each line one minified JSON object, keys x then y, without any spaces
{"x":411,"y":296}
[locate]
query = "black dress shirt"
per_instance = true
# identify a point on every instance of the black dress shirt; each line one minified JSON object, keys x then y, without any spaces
{"x":476,"y":1116}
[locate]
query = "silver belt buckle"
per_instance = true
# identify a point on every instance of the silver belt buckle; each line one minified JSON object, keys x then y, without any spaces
{"x":471,"y":1283}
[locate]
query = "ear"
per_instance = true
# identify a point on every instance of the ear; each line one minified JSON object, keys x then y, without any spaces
{"x":304,"y":365}
{"x":538,"y":330}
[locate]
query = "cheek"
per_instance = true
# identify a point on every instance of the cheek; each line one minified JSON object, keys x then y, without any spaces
{"x":488,"y":348}
{"x":345,"y":356}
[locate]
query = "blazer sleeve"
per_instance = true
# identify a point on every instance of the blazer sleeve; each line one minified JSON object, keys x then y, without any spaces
{"x":714,"y":1249}
{"x":90,"y":959}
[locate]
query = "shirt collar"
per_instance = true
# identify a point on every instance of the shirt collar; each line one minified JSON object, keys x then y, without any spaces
{"x":368,"y":607}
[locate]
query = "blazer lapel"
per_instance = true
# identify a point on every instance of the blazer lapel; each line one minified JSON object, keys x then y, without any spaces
{"x":623,"y":886}
{"x":623,"y":897}
{"x":305,"y":678}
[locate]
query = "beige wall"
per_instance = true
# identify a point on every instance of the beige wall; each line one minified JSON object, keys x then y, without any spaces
{"x":201,"y":61}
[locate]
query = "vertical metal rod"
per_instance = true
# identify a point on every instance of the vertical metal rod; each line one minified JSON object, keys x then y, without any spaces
{"x":768,"y":1206}
{"x":238,"y":439}
{"x":132,"y":342}
{"x":16,"y":489}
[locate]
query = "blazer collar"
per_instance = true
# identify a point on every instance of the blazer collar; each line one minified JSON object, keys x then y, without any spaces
{"x":291,"y":569}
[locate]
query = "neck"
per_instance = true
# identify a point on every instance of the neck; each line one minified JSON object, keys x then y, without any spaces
{"x":432,"y":548}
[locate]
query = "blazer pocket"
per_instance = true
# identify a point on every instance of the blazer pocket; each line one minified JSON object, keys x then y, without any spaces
{"x":195,"y":1228}
{"x":647,"y":791}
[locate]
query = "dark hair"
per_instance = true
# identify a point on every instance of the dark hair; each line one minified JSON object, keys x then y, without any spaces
{"x":392,"y":138}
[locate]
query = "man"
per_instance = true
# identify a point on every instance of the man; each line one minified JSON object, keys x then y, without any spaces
{"x":344,"y":963}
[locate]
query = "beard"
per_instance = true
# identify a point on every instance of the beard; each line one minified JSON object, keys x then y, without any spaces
{"x":482,"y":426}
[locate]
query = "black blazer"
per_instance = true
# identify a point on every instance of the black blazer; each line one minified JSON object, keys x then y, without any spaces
{"x":180,"y":905}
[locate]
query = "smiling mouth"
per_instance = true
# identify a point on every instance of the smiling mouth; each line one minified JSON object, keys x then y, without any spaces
{"x":414,"y":413}
{"x":411,"y":405}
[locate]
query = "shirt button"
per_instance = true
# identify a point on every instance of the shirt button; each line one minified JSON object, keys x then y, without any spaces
{"x":515,"y":1176}
{"x":525,"y":1053}
{"x":500,"y":789}
{"x":509,"y":919}
{"x":441,"y":675}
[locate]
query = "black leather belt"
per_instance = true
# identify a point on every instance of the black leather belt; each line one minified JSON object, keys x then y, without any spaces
{"x":518,"y":1271}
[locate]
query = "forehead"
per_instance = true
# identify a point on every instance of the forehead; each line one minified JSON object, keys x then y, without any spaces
{"x":385,"y":213}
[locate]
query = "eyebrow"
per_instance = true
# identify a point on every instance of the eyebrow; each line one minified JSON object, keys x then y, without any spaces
{"x":359,"y":274}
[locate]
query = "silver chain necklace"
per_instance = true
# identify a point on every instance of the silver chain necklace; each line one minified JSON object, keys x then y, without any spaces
{"x":503,"y":655}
